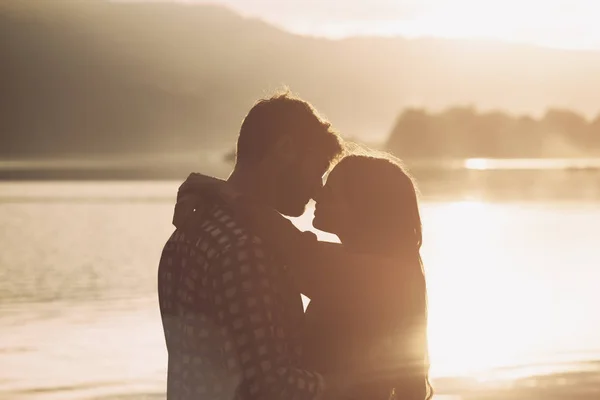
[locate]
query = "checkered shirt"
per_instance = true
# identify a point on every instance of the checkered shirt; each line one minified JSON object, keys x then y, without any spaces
{"x":231,"y":316}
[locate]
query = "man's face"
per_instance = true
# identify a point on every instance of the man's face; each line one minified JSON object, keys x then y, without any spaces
{"x":299,"y":181}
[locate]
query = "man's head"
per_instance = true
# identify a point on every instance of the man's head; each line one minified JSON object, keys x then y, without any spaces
{"x":290,"y":146}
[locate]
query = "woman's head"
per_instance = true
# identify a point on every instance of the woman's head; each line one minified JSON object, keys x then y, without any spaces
{"x":370,"y":199}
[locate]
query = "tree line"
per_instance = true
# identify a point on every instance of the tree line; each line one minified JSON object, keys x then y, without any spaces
{"x":466,"y":132}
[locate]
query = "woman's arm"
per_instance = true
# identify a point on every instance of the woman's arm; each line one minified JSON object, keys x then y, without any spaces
{"x":324,"y":270}
{"x":319,"y":269}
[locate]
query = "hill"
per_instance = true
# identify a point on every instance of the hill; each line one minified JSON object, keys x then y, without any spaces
{"x":89,"y":76}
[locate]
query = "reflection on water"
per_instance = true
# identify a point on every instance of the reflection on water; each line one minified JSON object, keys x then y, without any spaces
{"x":511,"y":164}
{"x":513,"y":293}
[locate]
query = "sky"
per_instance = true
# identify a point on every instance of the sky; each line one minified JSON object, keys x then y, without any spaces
{"x":553,"y":23}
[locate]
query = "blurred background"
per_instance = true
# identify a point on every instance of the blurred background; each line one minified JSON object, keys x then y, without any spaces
{"x":106,"y":106}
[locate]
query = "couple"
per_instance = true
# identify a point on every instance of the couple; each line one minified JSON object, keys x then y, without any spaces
{"x":231,"y":275}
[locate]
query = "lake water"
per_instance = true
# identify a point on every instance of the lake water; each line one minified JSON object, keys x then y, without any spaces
{"x":514,"y":289}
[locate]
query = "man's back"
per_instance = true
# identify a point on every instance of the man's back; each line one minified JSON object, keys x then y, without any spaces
{"x":231,"y":316}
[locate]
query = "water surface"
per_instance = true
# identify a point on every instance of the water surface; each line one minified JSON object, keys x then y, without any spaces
{"x":513,"y":292}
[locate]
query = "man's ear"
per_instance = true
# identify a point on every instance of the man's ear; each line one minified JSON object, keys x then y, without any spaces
{"x":284,"y":149}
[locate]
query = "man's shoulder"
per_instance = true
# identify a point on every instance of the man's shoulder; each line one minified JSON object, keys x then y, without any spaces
{"x":226,"y":233}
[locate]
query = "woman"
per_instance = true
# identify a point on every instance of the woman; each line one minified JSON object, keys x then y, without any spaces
{"x":367,"y":319}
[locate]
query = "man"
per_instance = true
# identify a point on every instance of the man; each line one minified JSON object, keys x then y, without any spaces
{"x":231,"y":313}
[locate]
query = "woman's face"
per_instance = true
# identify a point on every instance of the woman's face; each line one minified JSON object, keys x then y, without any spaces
{"x":332,"y":211}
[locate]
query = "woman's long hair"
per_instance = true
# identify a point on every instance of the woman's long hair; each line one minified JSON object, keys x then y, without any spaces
{"x":384,"y":199}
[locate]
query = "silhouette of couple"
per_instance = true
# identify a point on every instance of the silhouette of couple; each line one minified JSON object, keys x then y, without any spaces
{"x":231,"y":275}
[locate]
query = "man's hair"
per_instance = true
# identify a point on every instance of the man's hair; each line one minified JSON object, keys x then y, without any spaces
{"x":284,"y":114}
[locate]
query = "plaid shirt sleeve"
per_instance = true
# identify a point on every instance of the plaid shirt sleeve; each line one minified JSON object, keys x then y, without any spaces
{"x":245,"y":298}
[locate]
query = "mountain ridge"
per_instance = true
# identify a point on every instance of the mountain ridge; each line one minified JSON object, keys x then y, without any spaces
{"x":100,"y":77}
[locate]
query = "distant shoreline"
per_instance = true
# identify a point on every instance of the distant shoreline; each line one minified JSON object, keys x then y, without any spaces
{"x":51,"y":169}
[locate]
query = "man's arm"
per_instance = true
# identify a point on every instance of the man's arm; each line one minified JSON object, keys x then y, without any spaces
{"x":317,"y":267}
{"x":324,"y":270}
{"x":247,"y":305}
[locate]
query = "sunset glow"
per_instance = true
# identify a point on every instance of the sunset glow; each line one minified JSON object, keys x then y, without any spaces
{"x":553,"y":23}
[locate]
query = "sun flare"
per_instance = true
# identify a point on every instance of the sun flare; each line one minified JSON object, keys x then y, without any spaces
{"x":486,"y":309}
{"x":474,"y":325}
{"x":553,"y":23}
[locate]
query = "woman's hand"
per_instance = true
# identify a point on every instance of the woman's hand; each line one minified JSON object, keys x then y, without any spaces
{"x":196,"y":192}
{"x":192,"y":199}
